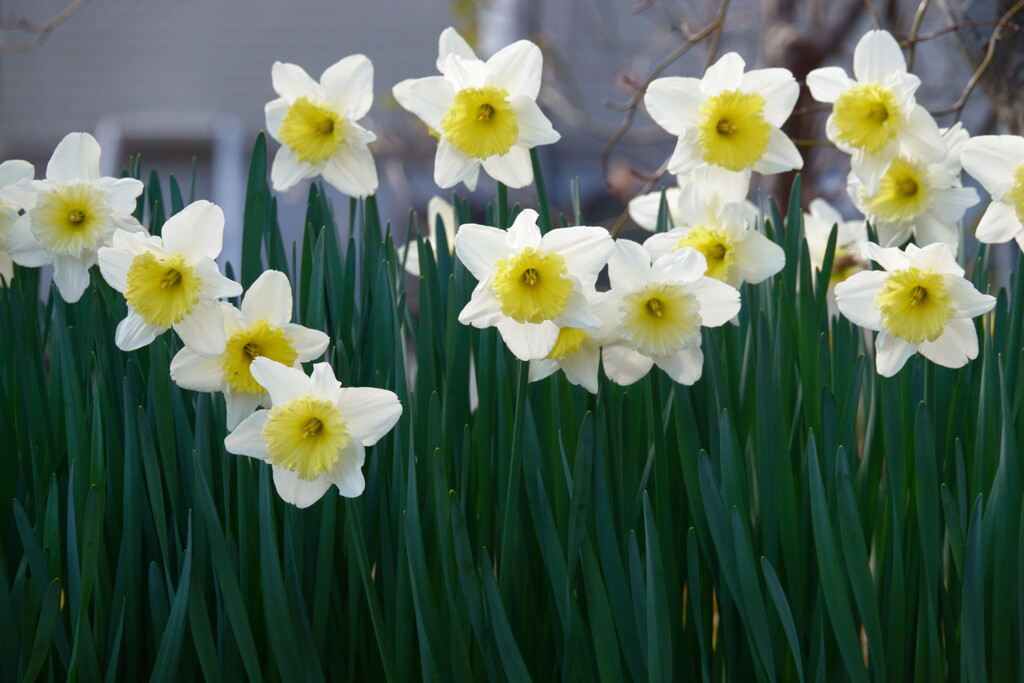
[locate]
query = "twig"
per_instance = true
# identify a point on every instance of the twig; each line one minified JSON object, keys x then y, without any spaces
{"x":915,"y":26}
{"x":14,"y":22}
{"x":875,"y":20}
{"x":956,"y":27}
{"x":644,"y":190}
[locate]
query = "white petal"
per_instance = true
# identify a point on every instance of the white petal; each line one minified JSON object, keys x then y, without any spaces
{"x":931,"y":230}
{"x":71,"y":275}
{"x":352,"y":170}
{"x":936,"y":257}
{"x":779,"y":89}
{"x":240,"y":405}
{"x":921,"y":138}
{"x":757,"y":257}
{"x":281,"y":382}
{"x":121,"y":192}
{"x":347,"y":474}
{"x":891,"y":353}
{"x":409,"y":254}
{"x":781,"y":155}
{"x":876,"y":56}
{"x":133,"y":332}
{"x":77,"y":157}
{"x":725,"y":74}
{"x":855,"y":298}
{"x":483,"y":309}
{"x":623,"y":365}
{"x":992,"y":159}
{"x":581,"y":367}
{"x":428,"y":98}
{"x":23,"y":247}
{"x":287,"y":171}
{"x":828,"y":83}
{"x":452,"y":166}
{"x":534,"y":128}
{"x":465,"y":73}
{"x":644,"y":209}
{"x":541,"y":368}
{"x":114,"y":264}
{"x":577,"y":313}
{"x":370,"y":413}
{"x":450,"y":43}
{"x":585,"y":249}
{"x":998,"y":224}
{"x":871,"y":167}
{"x":517,"y":69}
{"x":513,"y":168}
{"x":309,"y":344}
{"x":22,"y":194}
{"x":323,"y":383}
{"x":966,"y":301}
{"x":957,"y":344}
{"x":214,"y":285}
{"x":202,"y":329}
{"x":269,"y":298}
{"x":479,"y":247}
{"x":6,"y":268}
{"x":629,"y":266}
{"x":893,"y":234}
{"x":439,"y":208}
{"x":274,"y":112}
{"x":719,"y":302}
{"x":890,"y":258}
{"x":292,"y":82}
{"x":191,"y":371}
{"x":674,"y":103}
{"x":684,"y":366}
{"x":524,"y":232}
{"x":349,"y":85}
{"x":663,"y":243}
{"x":297,"y":491}
{"x":687,"y":155}
{"x":195,"y":231}
{"x":247,"y":438}
{"x":15,"y":170}
{"x":685,"y":265}
{"x":528,"y":341}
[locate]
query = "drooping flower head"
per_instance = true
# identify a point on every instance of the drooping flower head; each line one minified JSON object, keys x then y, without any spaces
{"x":315,"y":122}
{"x":530,"y":286}
{"x":70,"y":215}
{"x":850,"y":235}
{"x":485,"y":113}
{"x":653,"y":313}
{"x":920,"y":302}
{"x":917,"y":199}
{"x":729,"y":118}
{"x":315,"y":433}
{"x":261,"y":329}
{"x":437,"y":209}
{"x":876,"y":116}
{"x":997,"y":162}
{"x":11,"y":172}
{"x":172,"y":280}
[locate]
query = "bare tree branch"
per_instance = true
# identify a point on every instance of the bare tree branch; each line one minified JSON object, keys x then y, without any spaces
{"x":17,"y":22}
{"x":915,"y":27}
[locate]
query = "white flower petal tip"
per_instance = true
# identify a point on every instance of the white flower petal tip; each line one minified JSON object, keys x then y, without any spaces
{"x":729,"y":119}
{"x":316,"y":124}
{"x":314,"y":433}
{"x":920,"y":302}
{"x":485,"y":114}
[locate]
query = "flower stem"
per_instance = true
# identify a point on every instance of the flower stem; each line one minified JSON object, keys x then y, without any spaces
{"x":544,"y":222}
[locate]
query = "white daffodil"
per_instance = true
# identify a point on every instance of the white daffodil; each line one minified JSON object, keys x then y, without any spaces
{"x":731,"y":188}
{"x":70,"y":215}
{"x":576,"y":353}
{"x":11,"y":172}
{"x":846,"y":259}
{"x":172,"y":280}
{"x":316,"y":126}
{"x":728,"y":118}
{"x":485,"y":113}
{"x":409,"y":253}
{"x":920,"y":302}
{"x":734,"y":252}
{"x":530,"y":286}
{"x":263,"y":328}
{"x":997,"y":162}
{"x":653,"y":313}
{"x":918,"y":199}
{"x":316,"y":431}
{"x":876,"y":117}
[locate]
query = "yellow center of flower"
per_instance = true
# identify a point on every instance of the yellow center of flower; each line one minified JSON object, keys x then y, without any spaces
{"x":733,"y":132}
{"x":902,"y":194}
{"x":162,"y":290}
{"x":312,"y":130}
{"x":1016,"y":194}
{"x":914,"y":304}
{"x":480,"y":122}
{"x":866,"y":116}
{"x":305,"y":435}
{"x":716,"y":246}
{"x":569,"y":342}
{"x":532,"y":285}
{"x":71,"y":218}
{"x":261,"y":339}
{"x":660,"y":318}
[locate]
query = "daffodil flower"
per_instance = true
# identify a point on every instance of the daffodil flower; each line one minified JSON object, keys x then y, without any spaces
{"x":997,"y":162}
{"x":846,"y":259}
{"x":729,"y":118}
{"x":315,"y":433}
{"x":876,"y":116}
{"x":576,"y":352}
{"x":436,"y":208}
{"x":920,"y":302}
{"x":653,"y":313}
{"x":11,"y":172}
{"x":731,"y":188}
{"x":485,"y":113}
{"x":70,"y":215}
{"x":263,"y":328}
{"x":316,"y":126}
{"x":916,"y":199}
{"x":172,"y":280}
{"x":530,"y":286}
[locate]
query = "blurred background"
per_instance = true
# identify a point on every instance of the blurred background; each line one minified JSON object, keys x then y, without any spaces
{"x":183,"y":83}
